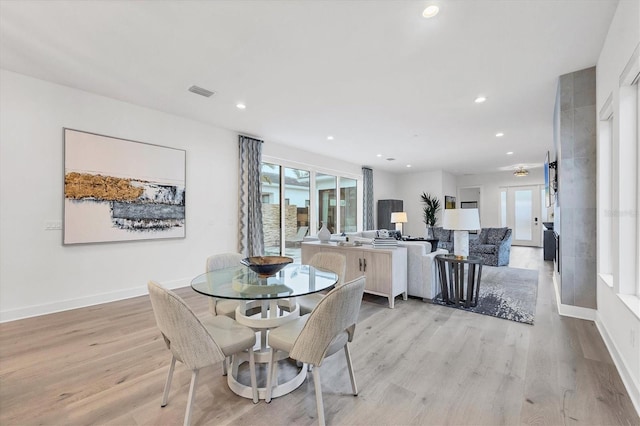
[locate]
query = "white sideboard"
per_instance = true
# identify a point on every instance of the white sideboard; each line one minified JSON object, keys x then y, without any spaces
{"x":384,"y":268}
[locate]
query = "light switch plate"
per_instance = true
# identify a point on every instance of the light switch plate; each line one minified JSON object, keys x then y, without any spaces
{"x":53,"y":225}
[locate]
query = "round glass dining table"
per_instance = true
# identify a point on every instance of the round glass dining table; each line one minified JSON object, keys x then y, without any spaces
{"x":241,"y":283}
{"x":264,"y":294}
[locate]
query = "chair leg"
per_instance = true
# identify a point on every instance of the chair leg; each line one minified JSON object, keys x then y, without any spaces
{"x":350,"y":367}
{"x":252,"y":372}
{"x":235,"y":363}
{"x":318,"y":388}
{"x":192,"y":394}
{"x":270,"y":368}
{"x":167,"y":384}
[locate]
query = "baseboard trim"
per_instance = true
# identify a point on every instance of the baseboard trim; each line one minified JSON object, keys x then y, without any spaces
{"x":570,"y":310}
{"x":633,"y":388}
{"x":82,"y":302}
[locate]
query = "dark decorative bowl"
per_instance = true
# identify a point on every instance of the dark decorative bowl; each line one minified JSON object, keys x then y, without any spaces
{"x":266,"y":266}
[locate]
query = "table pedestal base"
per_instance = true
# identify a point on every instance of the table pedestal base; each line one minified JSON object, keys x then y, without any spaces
{"x":262,"y":323}
{"x":290,"y":385}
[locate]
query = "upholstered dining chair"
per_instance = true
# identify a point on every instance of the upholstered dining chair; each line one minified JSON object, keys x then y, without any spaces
{"x":196,"y":343}
{"x":334,"y":262}
{"x":221,"y":261}
{"x":313,"y":337}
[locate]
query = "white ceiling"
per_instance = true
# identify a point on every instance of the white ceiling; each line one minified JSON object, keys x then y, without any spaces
{"x":374,"y":74}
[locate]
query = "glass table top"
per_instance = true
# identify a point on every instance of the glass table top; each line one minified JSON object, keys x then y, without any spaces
{"x":239,"y":282}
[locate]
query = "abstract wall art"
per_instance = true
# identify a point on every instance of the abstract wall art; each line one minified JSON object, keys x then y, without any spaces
{"x":120,"y":190}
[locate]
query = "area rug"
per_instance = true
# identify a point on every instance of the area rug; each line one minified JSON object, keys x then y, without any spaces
{"x":508,"y":293}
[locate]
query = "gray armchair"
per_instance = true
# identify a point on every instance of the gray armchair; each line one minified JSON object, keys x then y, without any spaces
{"x":493,"y":245}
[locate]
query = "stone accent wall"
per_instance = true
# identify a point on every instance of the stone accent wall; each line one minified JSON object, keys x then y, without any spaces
{"x":271,"y":223}
{"x":576,"y":198}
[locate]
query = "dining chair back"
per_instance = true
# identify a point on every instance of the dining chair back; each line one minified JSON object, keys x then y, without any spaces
{"x":194,"y":343}
{"x":214,"y":263}
{"x":334,"y":262}
{"x":313,"y":337}
{"x":185,"y":336}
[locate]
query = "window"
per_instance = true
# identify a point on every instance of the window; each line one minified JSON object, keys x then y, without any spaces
{"x":634,"y":94}
{"x":326,"y":195}
{"x":627,"y":184}
{"x":348,"y":205}
{"x":270,"y":177}
{"x":295,"y":201}
{"x":606,"y":167}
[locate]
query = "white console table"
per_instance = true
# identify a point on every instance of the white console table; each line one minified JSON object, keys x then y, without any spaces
{"x":384,"y":268}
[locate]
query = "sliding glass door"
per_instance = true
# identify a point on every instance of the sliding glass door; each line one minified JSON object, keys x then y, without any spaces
{"x":348,"y":205}
{"x":327,"y":201}
{"x":285,"y":209}
{"x":295,"y":202}
{"x":296,"y":208}
{"x":271,"y":208}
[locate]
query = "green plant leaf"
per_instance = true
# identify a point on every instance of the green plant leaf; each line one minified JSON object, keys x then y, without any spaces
{"x":430,"y":209}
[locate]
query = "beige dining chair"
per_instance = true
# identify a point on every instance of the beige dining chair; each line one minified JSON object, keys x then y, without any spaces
{"x":226,"y":307}
{"x":196,"y":343}
{"x":334,"y":262}
{"x":221,"y":261}
{"x":313,"y":337}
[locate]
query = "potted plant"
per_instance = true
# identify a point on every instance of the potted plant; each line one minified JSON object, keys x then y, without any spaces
{"x":431,"y":207}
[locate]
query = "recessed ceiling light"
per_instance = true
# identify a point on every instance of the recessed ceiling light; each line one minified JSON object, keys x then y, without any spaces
{"x":241,"y":106}
{"x":431,"y":11}
{"x":499,"y":135}
{"x":379,"y":155}
{"x":510,"y":153}
{"x":480,"y":99}
{"x":329,"y":138}
{"x":408,"y":165}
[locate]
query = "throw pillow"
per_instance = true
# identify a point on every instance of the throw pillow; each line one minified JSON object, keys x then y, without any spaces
{"x":496,"y":235}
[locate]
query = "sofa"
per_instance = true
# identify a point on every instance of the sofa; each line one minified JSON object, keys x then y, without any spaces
{"x":493,"y":245}
{"x":421,"y":270}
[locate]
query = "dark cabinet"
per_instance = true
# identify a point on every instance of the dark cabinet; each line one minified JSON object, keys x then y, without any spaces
{"x":385,"y":208}
{"x":549,"y":244}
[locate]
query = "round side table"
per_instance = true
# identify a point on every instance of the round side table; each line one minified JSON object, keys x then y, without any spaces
{"x":455,"y":289}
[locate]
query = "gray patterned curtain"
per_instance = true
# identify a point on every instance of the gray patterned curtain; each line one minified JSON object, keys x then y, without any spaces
{"x":367,"y":197}
{"x":251,"y":236}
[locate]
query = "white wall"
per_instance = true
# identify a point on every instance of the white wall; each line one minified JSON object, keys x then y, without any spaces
{"x":38,"y":274}
{"x":617,"y":322}
{"x":385,"y":187}
{"x":410,"y":187}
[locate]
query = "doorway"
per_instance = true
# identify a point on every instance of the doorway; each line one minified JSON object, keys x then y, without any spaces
{"x":521,"y":211}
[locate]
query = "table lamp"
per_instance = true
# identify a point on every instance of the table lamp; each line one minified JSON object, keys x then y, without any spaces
{"x":399,"y":218}
{"x":461,"y":221}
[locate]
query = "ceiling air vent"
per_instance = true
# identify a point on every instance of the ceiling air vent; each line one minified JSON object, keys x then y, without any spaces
{"x":201,"y":91}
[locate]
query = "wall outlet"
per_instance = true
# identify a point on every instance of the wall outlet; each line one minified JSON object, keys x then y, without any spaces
{"x":53,"y":225}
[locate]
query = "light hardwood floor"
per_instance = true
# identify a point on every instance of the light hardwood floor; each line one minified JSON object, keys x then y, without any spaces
{"x":417,"y":364}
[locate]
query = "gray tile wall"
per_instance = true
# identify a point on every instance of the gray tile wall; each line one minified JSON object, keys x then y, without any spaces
{"x":576,"y":198}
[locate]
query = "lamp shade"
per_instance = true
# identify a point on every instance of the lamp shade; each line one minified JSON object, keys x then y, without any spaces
{"x":461,"y":219}
{"x":399,"y":217}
